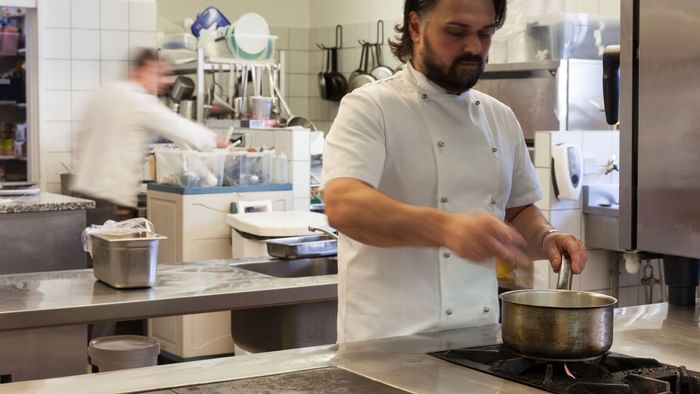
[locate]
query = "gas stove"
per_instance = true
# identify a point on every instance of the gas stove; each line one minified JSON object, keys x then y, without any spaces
{"x":608,"y":374}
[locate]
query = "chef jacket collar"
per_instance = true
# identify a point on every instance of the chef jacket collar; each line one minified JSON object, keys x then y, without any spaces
{"x":431,"y":88}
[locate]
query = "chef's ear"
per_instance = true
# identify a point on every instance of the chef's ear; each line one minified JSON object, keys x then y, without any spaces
{"x":415,"y":24}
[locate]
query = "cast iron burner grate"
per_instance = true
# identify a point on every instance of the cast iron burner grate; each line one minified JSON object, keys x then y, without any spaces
{"x":609,"y":374}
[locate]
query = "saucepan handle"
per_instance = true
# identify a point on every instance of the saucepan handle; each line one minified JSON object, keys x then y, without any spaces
{"x":566,"y":276}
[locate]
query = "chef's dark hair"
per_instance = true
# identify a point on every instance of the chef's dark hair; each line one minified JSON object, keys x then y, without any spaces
{"x":145,"y":55}
{"x":402,"y":48}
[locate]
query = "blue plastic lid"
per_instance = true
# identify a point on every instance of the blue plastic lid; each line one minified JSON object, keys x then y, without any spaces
{"x":211,"y":16}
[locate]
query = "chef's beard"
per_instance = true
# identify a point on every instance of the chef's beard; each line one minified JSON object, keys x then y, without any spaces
{"x":453,"y":80}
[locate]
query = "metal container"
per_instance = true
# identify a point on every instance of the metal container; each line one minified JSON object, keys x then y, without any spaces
{"x":126,"y":261}
{"x":560,"y":325}
{"x":182,"y":89}
{"x":187,"y":109}
{"x":302,"y":247}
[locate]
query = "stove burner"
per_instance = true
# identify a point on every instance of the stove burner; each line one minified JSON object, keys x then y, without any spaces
{"x":610,"y":373}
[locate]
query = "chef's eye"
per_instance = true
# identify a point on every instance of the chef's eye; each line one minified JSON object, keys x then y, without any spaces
{"x":456,"y":33}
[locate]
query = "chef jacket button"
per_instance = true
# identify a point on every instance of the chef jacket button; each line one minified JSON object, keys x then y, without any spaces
{"x":441,"y":144}
{"x":477,"y":102}
{"x":446,"y":255}
{"x":487,"y":309}
{"x":494,"y":149}
{"x":493,"y":201}
{"x":424,"y":96}
{"x":449,"y":312}
{"x":444,"y":200}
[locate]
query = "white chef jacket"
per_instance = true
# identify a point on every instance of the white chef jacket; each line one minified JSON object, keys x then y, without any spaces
{"x":413,"y":142}
{"x":119,"y":124}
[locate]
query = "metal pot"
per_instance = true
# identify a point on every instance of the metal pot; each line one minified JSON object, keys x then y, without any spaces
{"x":182,"y":89}
{"x":561,"y":324}
{"x":187,"y":109}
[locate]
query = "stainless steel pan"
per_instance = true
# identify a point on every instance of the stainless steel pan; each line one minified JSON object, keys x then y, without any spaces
{"x":561,"y":325}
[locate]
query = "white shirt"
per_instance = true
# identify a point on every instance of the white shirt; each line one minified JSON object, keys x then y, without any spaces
{"x":119,"y":124}
{"x":413,"y":142}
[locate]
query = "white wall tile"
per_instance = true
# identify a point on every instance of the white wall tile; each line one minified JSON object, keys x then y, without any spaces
{"x":56,"y":13}
{"x":610,"y":8}
{"x":298,"y":85}
{"x":597,"y":145}
{"x":57,"y":44}
{"x":587,"y":7}
{"x":298,"y":62}
{"x":53,"y":167}
{"x":543,"y":150}
{"x":299,"y":106}
{"x":53,"y":188}
{"x":86,"y":74}
{"x":114,"y":14}
{"x":80,"y":102}
{"x":85,"y":44}
{"x":56,"y":137}
{"x":115,"y":45}
{"x":113,"y":71}
{"x":544,"y":178}
{"x":298,"y":39}
{"x":349,"y":60}
{"x":318,"y":108}
{"x":85,"y":14}
{"x":568,"y":221}
{"x":138,"y":40}
{"x":56,"y":106}
{"x":282,"y":34}
{"x":57,"y":75}
{"x":142,"y":15}
{"x":566,"y":137}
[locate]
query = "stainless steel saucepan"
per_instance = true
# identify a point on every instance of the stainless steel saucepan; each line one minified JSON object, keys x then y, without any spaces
{"x":561,"y":325}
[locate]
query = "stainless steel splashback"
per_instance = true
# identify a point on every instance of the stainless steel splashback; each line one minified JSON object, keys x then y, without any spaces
{"x":555,"y":95}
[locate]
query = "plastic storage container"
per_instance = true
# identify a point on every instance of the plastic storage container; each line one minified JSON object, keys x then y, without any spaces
{"x":190,"y":168}
{"x":179,"y":41}
{"x":123,"y":352}
{"x":126,"y":261}
{"x":246,"y":169}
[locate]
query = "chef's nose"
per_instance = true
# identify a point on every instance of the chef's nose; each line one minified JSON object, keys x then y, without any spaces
{"x":472,"y":44}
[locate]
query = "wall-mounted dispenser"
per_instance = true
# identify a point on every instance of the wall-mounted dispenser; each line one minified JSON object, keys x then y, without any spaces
{"x":567,"y":171}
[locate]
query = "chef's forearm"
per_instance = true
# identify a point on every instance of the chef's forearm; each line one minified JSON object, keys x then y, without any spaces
{"x":368,"y":216}
{"x":532,"y":225}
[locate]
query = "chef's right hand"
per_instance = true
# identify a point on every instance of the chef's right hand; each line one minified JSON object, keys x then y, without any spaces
{"x":481,"y":237}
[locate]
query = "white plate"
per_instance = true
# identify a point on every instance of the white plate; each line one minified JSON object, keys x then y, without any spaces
{"x":251,"y":33}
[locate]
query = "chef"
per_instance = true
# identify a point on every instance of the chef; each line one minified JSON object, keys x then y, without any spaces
{"x":120,"y":122}
{"x":429,"y":182}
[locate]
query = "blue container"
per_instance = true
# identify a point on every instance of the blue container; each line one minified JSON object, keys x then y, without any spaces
{"x":208,"y":18}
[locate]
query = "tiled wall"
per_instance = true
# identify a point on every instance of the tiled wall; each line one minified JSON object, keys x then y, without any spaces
{"x":83,"y":44}
{"x":597,"y":148}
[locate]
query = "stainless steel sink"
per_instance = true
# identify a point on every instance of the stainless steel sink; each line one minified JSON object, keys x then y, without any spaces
{"x":288,"y":326}
{"x":293,"y":268}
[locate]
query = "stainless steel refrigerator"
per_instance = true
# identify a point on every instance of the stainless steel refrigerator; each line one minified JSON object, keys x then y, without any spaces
{"x":659,"y":117}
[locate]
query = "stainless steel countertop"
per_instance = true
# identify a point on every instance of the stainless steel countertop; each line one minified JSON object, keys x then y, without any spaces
{"x":671,"y":335}
{"x":73,"y":297}
{"x":43,"y":202}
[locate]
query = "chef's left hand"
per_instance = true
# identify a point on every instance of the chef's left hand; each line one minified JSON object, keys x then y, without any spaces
{"x":556,"y":244}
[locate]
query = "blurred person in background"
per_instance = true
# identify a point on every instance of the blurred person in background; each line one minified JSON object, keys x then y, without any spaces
{"x":122,"y":119}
